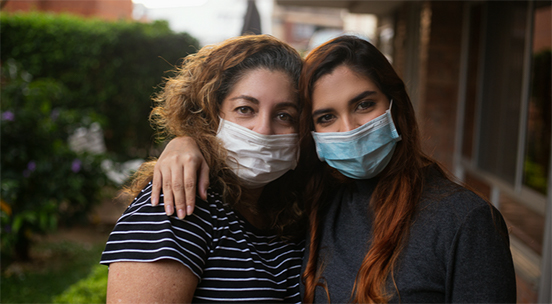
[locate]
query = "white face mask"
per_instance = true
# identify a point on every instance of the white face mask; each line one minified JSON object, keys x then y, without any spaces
{"x":255,"y":158}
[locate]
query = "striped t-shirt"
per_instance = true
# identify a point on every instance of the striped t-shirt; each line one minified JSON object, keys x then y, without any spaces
{"x":234,"y":261}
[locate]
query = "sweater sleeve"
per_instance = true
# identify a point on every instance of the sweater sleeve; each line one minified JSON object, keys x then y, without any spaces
{"x":144,"y":233}
{"x":480,"y":268}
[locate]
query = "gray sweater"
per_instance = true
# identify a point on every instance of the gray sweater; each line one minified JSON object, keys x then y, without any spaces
{"x":458,"y":249}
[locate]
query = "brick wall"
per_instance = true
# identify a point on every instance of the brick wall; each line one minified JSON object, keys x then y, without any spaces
{"x":105,"y":9}
{"x":18,"y":6}
{"x":441,"y":50}
{"x":114,"y":9}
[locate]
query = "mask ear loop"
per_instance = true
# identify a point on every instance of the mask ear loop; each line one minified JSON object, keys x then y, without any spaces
{"x":221,"y":122}
{"x":399,"y":137}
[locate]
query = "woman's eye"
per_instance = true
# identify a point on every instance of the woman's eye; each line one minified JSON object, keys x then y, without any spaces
{"x":325,"y":119}
{"x":364,"y":105}
{"x":244,"y":110}
{"x":285,"y":117}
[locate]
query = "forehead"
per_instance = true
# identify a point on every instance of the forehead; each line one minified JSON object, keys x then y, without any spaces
{"x":341,"y":85}
{"x":265,"y":84}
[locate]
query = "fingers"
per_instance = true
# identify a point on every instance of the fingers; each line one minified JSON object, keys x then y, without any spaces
{"x":156,"y":186}
{"x":179,"y":186}
{"x":167,"y":192}
{"x":178,"y":170}
{"x":172,"y":180}
{"x":192,"y":170}
{"x":178,"y":192}
{"x":159,"y":182}
{"x":190,"y":177}
{"x":203,"y":180}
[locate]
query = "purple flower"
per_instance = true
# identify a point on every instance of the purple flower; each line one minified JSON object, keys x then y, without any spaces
{"x":31,"y":166}
{"x":76,"y":165}
{"x":55,"y":114}
{"x":8,"y":115}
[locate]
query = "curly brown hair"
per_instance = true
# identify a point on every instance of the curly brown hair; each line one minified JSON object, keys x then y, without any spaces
{"x":190,"y":102}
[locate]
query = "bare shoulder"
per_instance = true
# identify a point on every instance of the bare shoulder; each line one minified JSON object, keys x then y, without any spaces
{"x":165,"y":281}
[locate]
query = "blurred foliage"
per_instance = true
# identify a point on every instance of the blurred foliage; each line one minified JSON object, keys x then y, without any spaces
{"x":91,"y":289}
{"x":535,"y":176}
{"x":539,"y":123}
{"x":43,"y":182}
{"x":57,"y":265}
{"x":112,"y":67}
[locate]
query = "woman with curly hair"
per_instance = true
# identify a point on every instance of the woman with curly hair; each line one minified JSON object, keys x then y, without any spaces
{"x":386,"y":222}
{"x":243,"y":242}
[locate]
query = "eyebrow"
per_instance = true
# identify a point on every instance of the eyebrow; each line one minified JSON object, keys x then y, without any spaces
{"x":352,"y":101}
{"x":256,"y":101}
{"x":246,"y":97}
{"x":287,"y":104}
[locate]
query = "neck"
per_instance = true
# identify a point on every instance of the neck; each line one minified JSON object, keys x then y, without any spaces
{"x":247,"y":207}
{"x":250,"y":197}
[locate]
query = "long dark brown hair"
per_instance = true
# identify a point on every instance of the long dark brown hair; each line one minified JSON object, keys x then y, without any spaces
{"x":189,"y":105}
{"x":400,"y":185}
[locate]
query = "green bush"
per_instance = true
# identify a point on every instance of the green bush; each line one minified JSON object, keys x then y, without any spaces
{"x":43,"y":181}
{"x":58,"y":265}
{"x":112,"y":67}
{"x":91,"y":289}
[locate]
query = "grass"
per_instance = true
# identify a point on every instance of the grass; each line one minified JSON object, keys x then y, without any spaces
{"x":88,"y":290}
{"x":57,"y":264}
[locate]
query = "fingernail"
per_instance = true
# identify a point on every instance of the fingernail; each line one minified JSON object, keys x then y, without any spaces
{"x":180,"y":213}
{"x":189,"y":210}
{"x":154,"y":201}
{"x":169,"y":209}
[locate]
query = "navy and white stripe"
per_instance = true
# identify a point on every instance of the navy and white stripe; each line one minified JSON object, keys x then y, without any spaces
{"x":234,"y":261}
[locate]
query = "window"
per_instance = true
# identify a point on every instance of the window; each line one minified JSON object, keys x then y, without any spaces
{"x":537,"y":150}
{"x":506,"y":122}
{"x":502,"y":89}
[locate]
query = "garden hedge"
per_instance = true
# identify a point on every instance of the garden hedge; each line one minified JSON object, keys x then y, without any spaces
{"x":60,"y":73}
{"x":111,"y":67}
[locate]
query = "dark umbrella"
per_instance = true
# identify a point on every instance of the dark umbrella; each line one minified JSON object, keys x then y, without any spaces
{"x":251,"y":20}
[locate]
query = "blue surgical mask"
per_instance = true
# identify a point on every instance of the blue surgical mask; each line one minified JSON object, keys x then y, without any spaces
{"x":361,"y":153}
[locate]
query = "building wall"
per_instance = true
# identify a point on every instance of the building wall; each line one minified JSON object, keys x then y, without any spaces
{"x":434,"y":80}
{"x":440,"y":64}
{"x":105,"y":9}
{"x":462,"y":69}
{"x":427,"y":51}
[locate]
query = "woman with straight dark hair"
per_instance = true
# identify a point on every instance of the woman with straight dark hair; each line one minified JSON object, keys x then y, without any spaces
{"x":386,"y":222}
